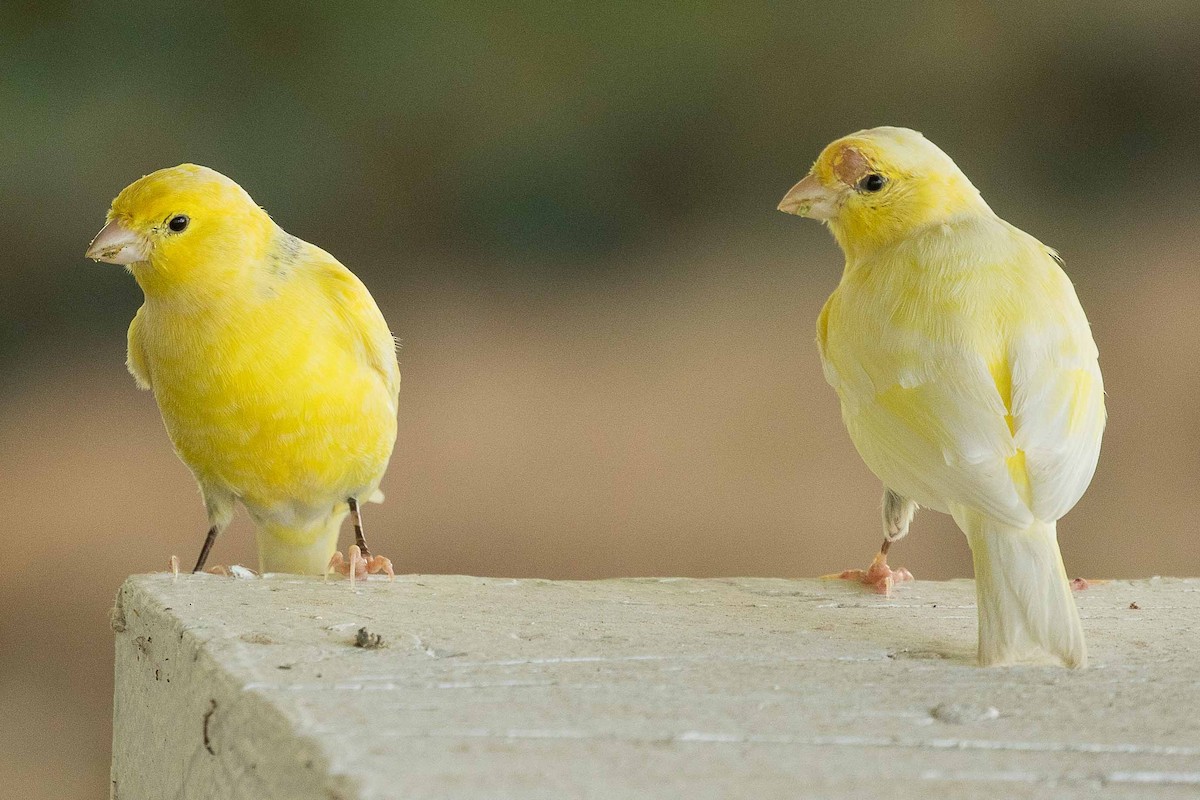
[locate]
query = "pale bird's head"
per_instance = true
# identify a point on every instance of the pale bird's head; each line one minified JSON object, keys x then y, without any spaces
{"x":877,"y":186}
{"x":179,"y":225}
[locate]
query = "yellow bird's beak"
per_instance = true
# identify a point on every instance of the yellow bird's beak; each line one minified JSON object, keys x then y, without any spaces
{"x":116,"y":244}
{"x":810,"y":198}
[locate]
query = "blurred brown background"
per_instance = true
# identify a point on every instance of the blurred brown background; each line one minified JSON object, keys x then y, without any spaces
{"x":567,"y":215}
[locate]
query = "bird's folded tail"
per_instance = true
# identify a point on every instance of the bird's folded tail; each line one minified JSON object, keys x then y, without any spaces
{"x":304,"y":551}
{"x":1027,"y":613}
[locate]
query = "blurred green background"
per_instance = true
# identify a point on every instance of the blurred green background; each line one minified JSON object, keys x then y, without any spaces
{"x":566,"y":212}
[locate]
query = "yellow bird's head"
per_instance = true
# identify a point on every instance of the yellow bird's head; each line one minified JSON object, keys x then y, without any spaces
{"x":878,"y":186}
{"x":183,"y":226}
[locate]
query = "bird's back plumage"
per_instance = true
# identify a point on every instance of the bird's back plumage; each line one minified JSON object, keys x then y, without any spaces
{"x":967,"y":370}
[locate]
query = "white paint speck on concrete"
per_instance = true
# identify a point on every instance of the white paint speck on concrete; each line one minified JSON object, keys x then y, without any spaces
{"x":638,"y":688}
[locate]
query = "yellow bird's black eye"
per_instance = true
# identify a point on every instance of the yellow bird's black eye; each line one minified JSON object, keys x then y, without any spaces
{"x":178,"y":223}
{"x":872,"y":182}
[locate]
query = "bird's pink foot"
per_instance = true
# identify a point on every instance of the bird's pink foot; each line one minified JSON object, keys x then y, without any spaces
{"x":879,"y":576}
{"x":233,"y":571}
{"x":1079,"y":584}
{"x":354,"y":566}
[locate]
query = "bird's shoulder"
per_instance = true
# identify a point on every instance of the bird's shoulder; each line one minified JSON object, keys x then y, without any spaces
{"x":944,"y":305}
{"x":956,"y":283}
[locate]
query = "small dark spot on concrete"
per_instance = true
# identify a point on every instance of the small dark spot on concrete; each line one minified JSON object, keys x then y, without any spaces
{"x":1134,"y":606}
{"x":207,"y":716}
{"x":367,"y":640}
{"x":285,"y":666}
{"x":156,"y":675}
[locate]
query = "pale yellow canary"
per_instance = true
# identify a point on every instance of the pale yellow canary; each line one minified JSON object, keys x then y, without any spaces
{"x":273,"y":368}
{"x":967,"y":375}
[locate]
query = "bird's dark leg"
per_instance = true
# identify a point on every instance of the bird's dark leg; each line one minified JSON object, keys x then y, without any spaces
{"x":208,"y":543}
{"x":356,"y":518}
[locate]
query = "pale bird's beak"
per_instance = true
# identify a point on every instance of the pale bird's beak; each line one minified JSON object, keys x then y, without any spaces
{"x":116,"y":244}
{"x":809,"y":198}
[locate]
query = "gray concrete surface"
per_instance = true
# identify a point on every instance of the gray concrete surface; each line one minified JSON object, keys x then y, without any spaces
{"x":654,"y":688}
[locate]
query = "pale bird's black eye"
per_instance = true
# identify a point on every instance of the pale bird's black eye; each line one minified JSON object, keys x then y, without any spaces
{"x":178,"y":223}
{"x":871,"y":183}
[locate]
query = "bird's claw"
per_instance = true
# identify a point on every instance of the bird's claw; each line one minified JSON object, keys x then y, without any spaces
{"x":234,"y":571}
{"x":355,"y":566}
{"x":1080,"y":584}
{"x":879,"y":576}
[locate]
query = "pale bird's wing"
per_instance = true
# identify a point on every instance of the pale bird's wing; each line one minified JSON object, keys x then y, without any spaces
{"x":1017,"y":439}
{"x":936,"y":431}
{"x":1058,"y":407}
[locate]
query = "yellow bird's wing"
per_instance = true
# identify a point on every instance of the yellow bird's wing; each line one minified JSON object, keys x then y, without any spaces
{"x":136,"y":358}
{"x":355,"y":307}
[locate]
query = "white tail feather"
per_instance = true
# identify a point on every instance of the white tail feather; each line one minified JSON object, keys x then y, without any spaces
{"x":1026,"y":611}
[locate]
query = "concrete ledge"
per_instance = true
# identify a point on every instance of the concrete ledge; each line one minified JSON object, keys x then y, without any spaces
{"x":671,"y":688}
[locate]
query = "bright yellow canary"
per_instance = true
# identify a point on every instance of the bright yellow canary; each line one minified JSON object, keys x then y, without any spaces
{"x":967,"y":375}
{"x":273,"y":368}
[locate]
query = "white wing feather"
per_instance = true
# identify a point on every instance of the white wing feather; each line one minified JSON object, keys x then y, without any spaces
{"x":1058,"y":409}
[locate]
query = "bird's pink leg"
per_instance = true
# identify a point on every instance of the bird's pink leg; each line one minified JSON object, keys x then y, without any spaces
{"x":879,"y":576}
